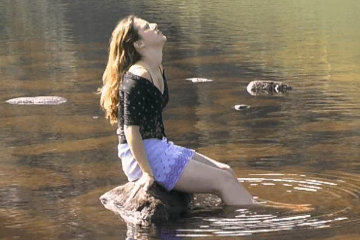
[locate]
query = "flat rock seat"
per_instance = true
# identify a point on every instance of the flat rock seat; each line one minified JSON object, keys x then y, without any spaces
{"x":139,"y":207}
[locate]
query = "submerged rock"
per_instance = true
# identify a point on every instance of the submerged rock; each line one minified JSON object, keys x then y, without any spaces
{"x":198,"y":80}
{"x":260,"y":87}
{"x":137,"y":206}
{"x":38,"y":100}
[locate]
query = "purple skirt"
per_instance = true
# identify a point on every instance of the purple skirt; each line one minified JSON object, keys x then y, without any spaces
{"x":166,"y":160}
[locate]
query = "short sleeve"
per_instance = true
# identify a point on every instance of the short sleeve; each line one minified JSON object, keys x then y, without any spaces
{"x":134,"y":101}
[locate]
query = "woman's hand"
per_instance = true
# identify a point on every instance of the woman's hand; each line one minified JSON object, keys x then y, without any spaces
{"x":146,"y":181}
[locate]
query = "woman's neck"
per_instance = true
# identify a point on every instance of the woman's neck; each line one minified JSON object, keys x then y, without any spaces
{"x":152,"y":58}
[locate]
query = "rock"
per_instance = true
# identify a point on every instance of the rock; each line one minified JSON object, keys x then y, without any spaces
{"x":260,"y":87}
{"x":241,"y":107}
{"x":139,"y":207}
{"x":198,"y":80}
{"x":38,"y":100}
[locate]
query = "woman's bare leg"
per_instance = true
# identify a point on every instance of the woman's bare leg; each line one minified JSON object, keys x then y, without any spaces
{"x":199,"y":177}
{"x":266,"y":203}
{"x":211,"y":162}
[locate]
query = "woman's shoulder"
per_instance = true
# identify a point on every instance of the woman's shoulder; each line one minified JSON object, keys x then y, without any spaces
{"x":132,"y":81}
{"x":135,"y":76}
{"x":139,"y":71}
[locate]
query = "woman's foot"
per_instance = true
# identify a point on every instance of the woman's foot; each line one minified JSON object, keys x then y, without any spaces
{"x":288,"y":206}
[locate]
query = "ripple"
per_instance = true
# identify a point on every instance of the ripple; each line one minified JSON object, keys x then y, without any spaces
{"x":313,"y":202}
{"x":60,"y":147}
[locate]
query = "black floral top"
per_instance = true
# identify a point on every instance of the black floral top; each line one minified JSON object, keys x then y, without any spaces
{"x":141,"y":104}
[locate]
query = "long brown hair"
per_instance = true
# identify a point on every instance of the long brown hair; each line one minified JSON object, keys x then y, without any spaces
{"x":122,"y":54}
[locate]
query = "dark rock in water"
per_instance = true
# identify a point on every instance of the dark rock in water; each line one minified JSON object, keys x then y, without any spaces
{"x":260,"y":87}
{"x":137,"y":206}
{"x":39,"y":100}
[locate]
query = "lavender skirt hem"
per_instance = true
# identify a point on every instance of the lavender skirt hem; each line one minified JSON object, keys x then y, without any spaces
{"x":166,"y":160}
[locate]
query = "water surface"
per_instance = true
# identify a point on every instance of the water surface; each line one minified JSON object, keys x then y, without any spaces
{"x":298,"y":148}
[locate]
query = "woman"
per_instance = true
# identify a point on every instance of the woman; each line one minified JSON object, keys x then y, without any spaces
{"x":133,"y":95}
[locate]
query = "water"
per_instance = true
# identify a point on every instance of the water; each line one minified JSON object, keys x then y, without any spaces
{"x":299,"y":148}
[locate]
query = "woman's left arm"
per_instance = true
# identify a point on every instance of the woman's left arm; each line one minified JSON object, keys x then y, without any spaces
{"x":136,"y":144}
{"x":134,"y":106}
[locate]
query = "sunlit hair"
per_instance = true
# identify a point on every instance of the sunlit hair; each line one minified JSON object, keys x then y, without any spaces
{"x":122,"y":54}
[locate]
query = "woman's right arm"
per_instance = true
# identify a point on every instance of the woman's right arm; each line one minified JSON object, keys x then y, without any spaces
{"x":137,"y":148}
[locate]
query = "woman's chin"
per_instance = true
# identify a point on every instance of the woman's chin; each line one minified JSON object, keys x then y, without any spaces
{"x":163,"y":36}
{"x":163,"y":39}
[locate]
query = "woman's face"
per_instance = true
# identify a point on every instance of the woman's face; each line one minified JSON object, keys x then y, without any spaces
{"x":149,"y":33}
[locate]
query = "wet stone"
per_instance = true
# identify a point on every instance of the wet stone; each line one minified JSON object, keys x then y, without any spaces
{"x":260,"y":87}
{"x":137,"y":206}
{"x":38,"y":100}
{"x":199,"y":80}
{"x":239,"y":107}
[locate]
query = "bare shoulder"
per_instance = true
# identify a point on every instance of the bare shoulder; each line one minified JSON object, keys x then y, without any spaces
{"x":139,"y":71}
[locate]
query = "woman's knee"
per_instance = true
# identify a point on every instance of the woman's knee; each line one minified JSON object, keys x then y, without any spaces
{"x":228,"y":169}
{"x":211,"y":162}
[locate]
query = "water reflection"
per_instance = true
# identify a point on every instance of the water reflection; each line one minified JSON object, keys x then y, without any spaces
{"x":332,"y":204}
